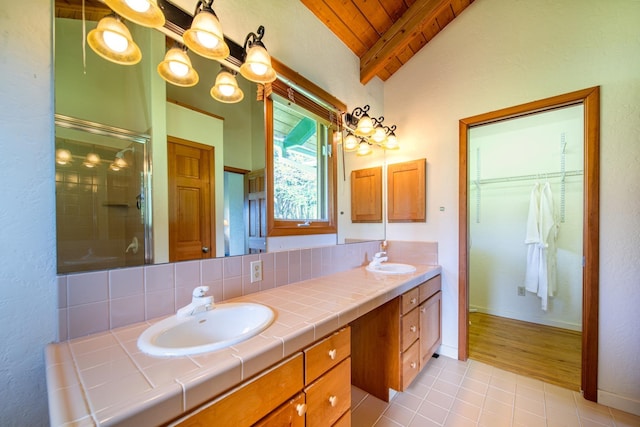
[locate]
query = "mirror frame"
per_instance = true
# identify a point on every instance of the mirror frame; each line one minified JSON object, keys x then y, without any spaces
{"x":590,"y":99}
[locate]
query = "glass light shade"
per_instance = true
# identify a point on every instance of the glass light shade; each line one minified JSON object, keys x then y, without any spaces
{"x":120,"y":163}
{"x":226,"y":88}
{"x":176,"y":68}
{"x":91,"y":160}
{"x":114,"y":167}
{"x":391,"y":143}
{"x":379,"y":135}
{"x":205,"y":36}
{"x":365,"y":126}
{"x":363,"y":149}
{"x":143,"y":12}
{"x":63,"y":156}
{"x":350,"y":143}
{"x":112,"y":40}
{"x":257,"y":66}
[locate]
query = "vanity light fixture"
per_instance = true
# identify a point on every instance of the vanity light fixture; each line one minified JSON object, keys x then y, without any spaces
{"x":176,"y":68}
{"x":63,"y":156}
{"x":143,"y":12}
{"x":226,"y":87}
{"x":364,"y":132}
{"x":91,"y":160}
{"x":205,"y":36}
{"x":112,"y":40}
{"x":257,"y":61}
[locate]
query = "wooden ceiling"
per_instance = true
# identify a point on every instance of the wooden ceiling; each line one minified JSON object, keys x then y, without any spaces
{"x":385,"y":34}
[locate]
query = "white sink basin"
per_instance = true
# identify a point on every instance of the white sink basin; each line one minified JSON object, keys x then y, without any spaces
{"x":224,"y":325}
{"x":392,"y":268}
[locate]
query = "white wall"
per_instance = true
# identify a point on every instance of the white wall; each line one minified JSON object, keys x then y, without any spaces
{"x":27,"y":211}
{"x":500,"y":53}
{"x":498,"y":214}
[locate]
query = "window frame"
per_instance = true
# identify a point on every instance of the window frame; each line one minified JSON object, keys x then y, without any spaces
{"x":297,"y":84}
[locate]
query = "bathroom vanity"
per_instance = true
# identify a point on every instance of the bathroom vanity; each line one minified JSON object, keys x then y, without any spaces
{"x":297,"y":369}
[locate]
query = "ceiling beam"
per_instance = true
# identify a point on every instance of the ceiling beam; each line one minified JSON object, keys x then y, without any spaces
{"x":401,"y":33}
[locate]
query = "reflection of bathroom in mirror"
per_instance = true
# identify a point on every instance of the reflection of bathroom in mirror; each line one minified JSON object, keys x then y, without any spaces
{"x":134,"y":98}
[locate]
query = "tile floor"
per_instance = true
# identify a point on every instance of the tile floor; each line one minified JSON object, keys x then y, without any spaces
{"x":453,"y":393}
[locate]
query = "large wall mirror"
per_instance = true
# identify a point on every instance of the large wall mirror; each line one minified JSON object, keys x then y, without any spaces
{"x":96,"y":94}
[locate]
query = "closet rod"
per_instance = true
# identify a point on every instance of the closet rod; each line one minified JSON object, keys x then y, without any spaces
{"x":530,"y":177}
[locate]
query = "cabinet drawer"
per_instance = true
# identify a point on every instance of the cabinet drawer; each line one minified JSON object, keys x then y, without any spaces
{"x":326,"y":354}
{"x":248,"y":403}
{"x":429,"y":288}
{"x":330,"y":396}
{"x":344,"y":421}
{"x":410,"y":300}
{"x":410,"y":364}
{"x":410,"y":329}
{"x":291,"y":414}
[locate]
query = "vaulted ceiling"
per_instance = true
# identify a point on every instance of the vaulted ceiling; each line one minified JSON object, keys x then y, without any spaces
{"x":384,"y":34}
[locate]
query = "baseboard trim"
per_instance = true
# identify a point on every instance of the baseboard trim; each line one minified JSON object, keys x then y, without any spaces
{"x":538,"y":320}
{"x":621,"y":403}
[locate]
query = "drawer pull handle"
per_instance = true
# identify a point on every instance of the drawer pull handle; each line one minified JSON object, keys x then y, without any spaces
{"x":414,"y":365}
{"x":413,"y":300}
{"x":423,"y":310}
{"x":413,"y":328}
{"x":301,"y":409}
{"x":333,"y":353}
{"x":333,"y":400}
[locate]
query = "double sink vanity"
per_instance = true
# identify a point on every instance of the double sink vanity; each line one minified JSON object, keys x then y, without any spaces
{"x":375,"y":329}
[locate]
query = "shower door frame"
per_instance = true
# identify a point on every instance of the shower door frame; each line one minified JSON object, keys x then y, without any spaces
{"x":590,"y":99}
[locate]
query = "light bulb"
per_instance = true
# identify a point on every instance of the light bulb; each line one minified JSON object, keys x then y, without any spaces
{"x":119,"y":162}
{"x":116,"y":42}
{"x":178,"y":68}
{"x":259,"y":69}
{"x":364,"y":149}
{"x":226,"y":90}
{"x":207,"y":40}
{"x":63,"y":156}
{"x":138,"y":5}
{"x":350,"y":143}
{"x":379,"y":135}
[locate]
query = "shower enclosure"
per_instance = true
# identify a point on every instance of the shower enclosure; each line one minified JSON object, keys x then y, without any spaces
{"x":102,"y":196}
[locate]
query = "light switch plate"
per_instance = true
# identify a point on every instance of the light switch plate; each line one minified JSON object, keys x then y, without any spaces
{"x":256,"y":271}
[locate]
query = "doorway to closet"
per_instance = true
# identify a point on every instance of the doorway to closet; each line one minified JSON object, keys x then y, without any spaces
{"x":514,"y":162}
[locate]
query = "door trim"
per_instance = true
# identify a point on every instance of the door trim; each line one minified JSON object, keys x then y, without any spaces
{"x":590,"y":99}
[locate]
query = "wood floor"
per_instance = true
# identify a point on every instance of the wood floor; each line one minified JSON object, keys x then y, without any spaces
{"x":543,"y":352}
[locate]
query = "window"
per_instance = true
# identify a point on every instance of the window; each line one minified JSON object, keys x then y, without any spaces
{"x":301,"y":165}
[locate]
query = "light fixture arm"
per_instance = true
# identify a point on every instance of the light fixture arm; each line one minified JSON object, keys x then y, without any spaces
{"x":352,"y":119}
{"x":204,"y":5}
{"x":252,"y":39}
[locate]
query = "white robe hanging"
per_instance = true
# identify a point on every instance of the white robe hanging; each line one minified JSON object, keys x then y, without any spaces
{"x":540,"y":275}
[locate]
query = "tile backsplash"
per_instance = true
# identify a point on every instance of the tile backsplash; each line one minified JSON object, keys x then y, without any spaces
{"x":97,"y":301}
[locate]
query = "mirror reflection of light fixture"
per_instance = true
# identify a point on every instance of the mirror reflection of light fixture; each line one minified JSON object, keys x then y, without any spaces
{"x":143,"y":12}
{"x":226,"y":87}
{"x":91,"y":160}
{"x":257,"y":62}
{"x":363,"y":129}
{"x":205,"y":36}
{"x":112,"y":40}
{"x":63,"y":156}
{"x":176,"y":68}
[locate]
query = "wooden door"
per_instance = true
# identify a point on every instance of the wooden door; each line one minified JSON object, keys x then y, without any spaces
{"x":191,"y":200}
{"x":257,"y":211}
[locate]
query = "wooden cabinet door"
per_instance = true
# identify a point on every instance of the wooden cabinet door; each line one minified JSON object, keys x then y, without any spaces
{"x":366,"y":195}
{"x":406,"y":188}
{"x":430,"y":327}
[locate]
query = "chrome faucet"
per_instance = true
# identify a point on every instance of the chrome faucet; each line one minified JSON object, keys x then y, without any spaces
{"x":199,"y":302}
{"x":378,"y":259}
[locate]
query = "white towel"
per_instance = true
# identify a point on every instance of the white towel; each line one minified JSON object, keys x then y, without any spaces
{"x":532,"y":240}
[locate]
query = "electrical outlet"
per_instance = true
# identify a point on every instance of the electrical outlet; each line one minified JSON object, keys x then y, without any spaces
{"x":521,"y":291}
{"x":256,"y":271}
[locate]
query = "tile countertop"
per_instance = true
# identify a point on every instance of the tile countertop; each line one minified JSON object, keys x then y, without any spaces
{"x":104,"y":379}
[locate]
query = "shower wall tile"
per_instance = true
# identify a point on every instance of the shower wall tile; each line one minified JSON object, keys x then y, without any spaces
{"x":97,"y":301}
